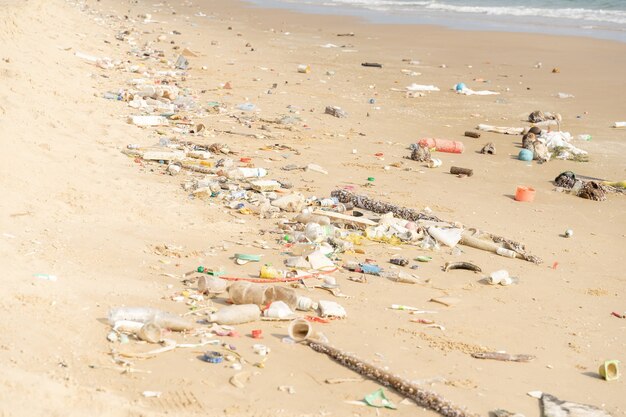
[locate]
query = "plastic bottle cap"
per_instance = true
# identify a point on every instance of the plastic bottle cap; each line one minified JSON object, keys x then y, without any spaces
{"x":213,"y":357}
{"x":370,"y":179}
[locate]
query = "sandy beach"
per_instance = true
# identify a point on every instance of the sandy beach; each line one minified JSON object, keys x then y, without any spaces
{"x":85,"y":227}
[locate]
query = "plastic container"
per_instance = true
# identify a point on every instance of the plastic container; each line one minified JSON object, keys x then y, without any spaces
{"x":147,"y":315}
{"x":262,"y":295}
{"x":525,"y":155}
{"x":236,"y":314}
{"x":150,"y":333}
{"x":434,"y":163}
{"x":443,"y":145}
{"x":525,"y":194}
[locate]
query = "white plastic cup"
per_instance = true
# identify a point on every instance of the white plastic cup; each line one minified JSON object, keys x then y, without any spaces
{"x":499,"y":277}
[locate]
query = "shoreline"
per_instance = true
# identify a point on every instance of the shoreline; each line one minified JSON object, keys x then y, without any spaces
{"x":455,"y":21}
{"x":99,"y":220}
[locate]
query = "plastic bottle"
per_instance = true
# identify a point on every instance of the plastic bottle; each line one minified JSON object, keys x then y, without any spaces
{"x":236,"y":314}
{"x":148,"y":314}
{"x":111,"y":96}
{"x":252,"y":172}
{"x":261,"y":295}
{"x":305,"y":304}
{"x":586,"y":137}
{"x":312,"y":218}
{"x":291,"y":202}
{"x":443,"y":145}
{"x":506,"y":252}
{"x":148,"y":120}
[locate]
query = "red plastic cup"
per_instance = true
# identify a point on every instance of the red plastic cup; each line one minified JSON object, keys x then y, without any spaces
{"x":525,"y":194}
{"x":257,"y":334}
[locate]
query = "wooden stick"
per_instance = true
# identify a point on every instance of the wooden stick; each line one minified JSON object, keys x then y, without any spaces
{"x":422,"y":397}
{"x":461,"y":171}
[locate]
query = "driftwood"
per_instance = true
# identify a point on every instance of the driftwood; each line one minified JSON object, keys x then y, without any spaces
{"x":376,"y":206}
{"x":471,"y":134}
{"x":461,"y":171}
{"x":422,"y":397}
{"x":372,"y":64}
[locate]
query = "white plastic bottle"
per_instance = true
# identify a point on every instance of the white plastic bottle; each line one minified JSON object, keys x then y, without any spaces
{"x":236,"y":314}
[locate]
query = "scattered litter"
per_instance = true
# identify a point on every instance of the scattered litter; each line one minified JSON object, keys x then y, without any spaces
{"x":335,"y":111}
{"x":461,"y":265}
{"x":46,"y":277}
{"x":446,"y":301}
{"x":287,"y":388}
{"x":420,"y":87}
{"x":378,"y":399}
{"x":551,"y":406}
{"x":489,"y":149}
{"x":333,"y":381}
{"x":499,"y":129}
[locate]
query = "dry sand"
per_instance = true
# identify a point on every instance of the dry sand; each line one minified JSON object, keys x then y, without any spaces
{"x":74,"y":206}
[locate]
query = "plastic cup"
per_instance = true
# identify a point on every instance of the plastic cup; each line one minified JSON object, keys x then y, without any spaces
{"x":525,"y":194}
{"x":257,"y":334}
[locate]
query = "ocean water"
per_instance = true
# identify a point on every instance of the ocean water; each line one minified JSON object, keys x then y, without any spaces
{"x":591,"y":18}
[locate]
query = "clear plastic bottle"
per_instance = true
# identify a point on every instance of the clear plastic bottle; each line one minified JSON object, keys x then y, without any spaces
{"x":147,"y":314}
{"x":308,"y":217}
{"x":236,"y":314}
{"x":261,"y":295}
